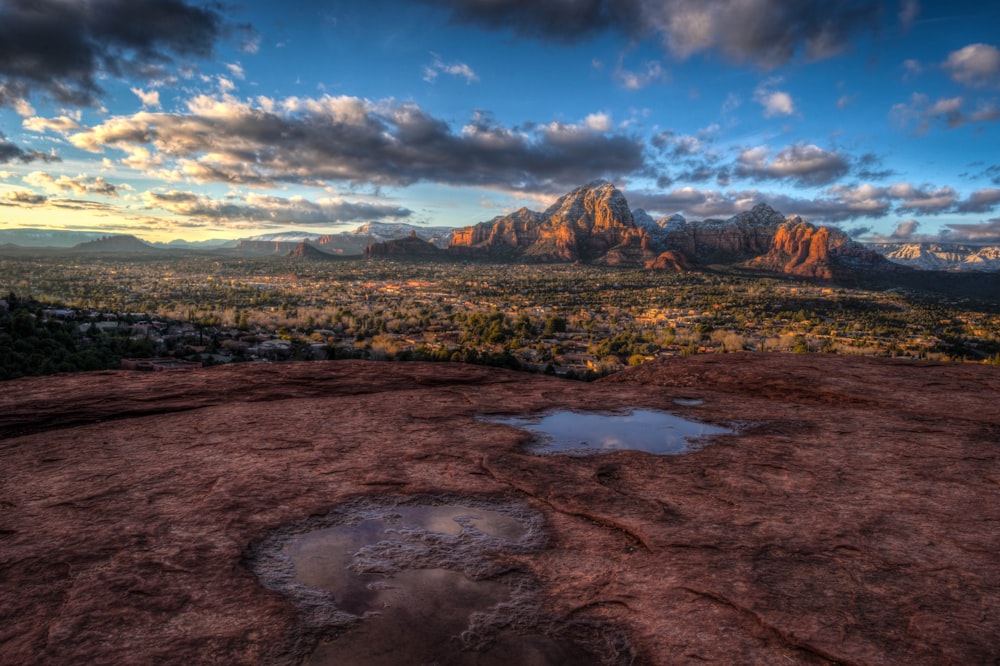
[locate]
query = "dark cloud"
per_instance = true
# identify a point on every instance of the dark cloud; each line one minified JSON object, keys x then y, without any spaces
{"x":64,"y":48}
{"x":869,"y":167}
{"x":765,"y":32}
{"x":980,"y":201}
{"x":905,"y":230}
{"x":924,"y":199}
{"x":277,"y":210}
{"x":985,"y":233}
{"x":22,"y":199}
{"x":802,"y":163}
{"x":837,"y":205}
{"x":10,"y":152}
{"x":993,"y":173}
{"x":362,"y":142}
{"x":921,"y":113}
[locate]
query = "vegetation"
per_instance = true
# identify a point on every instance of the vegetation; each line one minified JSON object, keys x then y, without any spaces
{"x":578,"y":321}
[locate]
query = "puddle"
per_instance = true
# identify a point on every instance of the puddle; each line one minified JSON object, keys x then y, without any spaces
{"x":688,"y":402}
{"x":423,"y":583}
{"x":589,"y":433}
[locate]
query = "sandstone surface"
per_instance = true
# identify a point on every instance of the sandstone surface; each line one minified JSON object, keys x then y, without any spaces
{"x":851,"y":519}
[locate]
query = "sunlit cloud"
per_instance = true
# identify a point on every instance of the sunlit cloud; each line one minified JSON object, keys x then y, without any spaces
{"x":315,"y":140}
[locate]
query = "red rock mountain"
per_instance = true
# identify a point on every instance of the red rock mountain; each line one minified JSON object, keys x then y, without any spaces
{"x":584,"y":225}
{"x":305,"y":250}
{"x":593,"y":224}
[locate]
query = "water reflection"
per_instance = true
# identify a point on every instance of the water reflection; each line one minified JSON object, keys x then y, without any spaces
{"x":588,"y":433}
{"x":423,"y":581}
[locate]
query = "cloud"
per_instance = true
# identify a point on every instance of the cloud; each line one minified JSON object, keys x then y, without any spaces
{"x":348,"y":139}
{"x":923,"y":199}
{"x":806,"y":164}
{"x":10,"y":152}
{"x":983,"y":233}
{"x":976,"y":65}
{"x":677,"y":146}
{"x":150,"y":99}
{"x":651,"y":73}
{"x":79,"y":185}
{"x":921,"y":113}
{"x":905,"y":230}
{"x":22,"y":199}
{"x":909,"y":10}
{"x":459,"y":69}
{"x":766,"y":33}
{"x":836,"y":204}
{"x":271,"y":209}
{"x":980,"y":201}
{"x":775,"y":102}
{"x":62,"y":49}
{"x":59,"y":124}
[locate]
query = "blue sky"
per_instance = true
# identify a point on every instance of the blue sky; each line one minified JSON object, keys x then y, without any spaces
{"x":174,"y":118}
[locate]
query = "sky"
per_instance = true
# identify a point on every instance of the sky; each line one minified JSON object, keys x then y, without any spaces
{"x":185,"y":119}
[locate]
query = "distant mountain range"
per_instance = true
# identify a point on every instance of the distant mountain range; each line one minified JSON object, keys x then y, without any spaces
{"x":593,"y":224}
{"x":942,"y":256}
{"x":345,"y":243}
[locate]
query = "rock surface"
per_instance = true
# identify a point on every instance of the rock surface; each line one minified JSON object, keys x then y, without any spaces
{"x":853,"y":518}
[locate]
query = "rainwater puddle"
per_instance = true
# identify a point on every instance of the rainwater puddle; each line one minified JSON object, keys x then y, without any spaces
{"x":418,"y":584}
{"x":589,"y":433}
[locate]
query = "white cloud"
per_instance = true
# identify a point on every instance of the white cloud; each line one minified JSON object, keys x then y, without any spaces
{"x":976,"y":65}
{"x":79,"y":185}
{"x":598,"y":122}
{"x":651,"y":73}
{"x":150,"y":99}
{"x":458,"y":69}
{"x":59,"y":124}
{"x":775,"y":102}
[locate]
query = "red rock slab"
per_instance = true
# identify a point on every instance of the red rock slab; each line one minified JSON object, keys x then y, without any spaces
{"x":853,"y":518}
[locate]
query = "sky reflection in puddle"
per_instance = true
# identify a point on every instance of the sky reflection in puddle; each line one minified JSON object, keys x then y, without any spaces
{"x":419,"y":576}
{"x":589,"y":433}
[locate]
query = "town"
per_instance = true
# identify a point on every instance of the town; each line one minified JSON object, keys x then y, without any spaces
{"x":88,"y":313}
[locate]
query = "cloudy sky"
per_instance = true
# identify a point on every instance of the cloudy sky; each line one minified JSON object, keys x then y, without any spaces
{"x":181,"y":118}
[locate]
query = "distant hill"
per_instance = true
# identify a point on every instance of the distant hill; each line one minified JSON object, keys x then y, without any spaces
{"x":46,"y":237}
{"x":116,"y":244}
{"x":307,"y":251}
{"x":345,"y":243}
{"x":210,"y":244}
{"x":411,"y":247}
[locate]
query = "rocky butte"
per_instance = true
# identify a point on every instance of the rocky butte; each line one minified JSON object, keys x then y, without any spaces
{"x":593,"y":224}
{"x":850,"y":518}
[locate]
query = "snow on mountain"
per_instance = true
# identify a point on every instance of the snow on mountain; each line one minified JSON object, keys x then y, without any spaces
{"x":942,"y":256}
{"x":284,"y":237}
